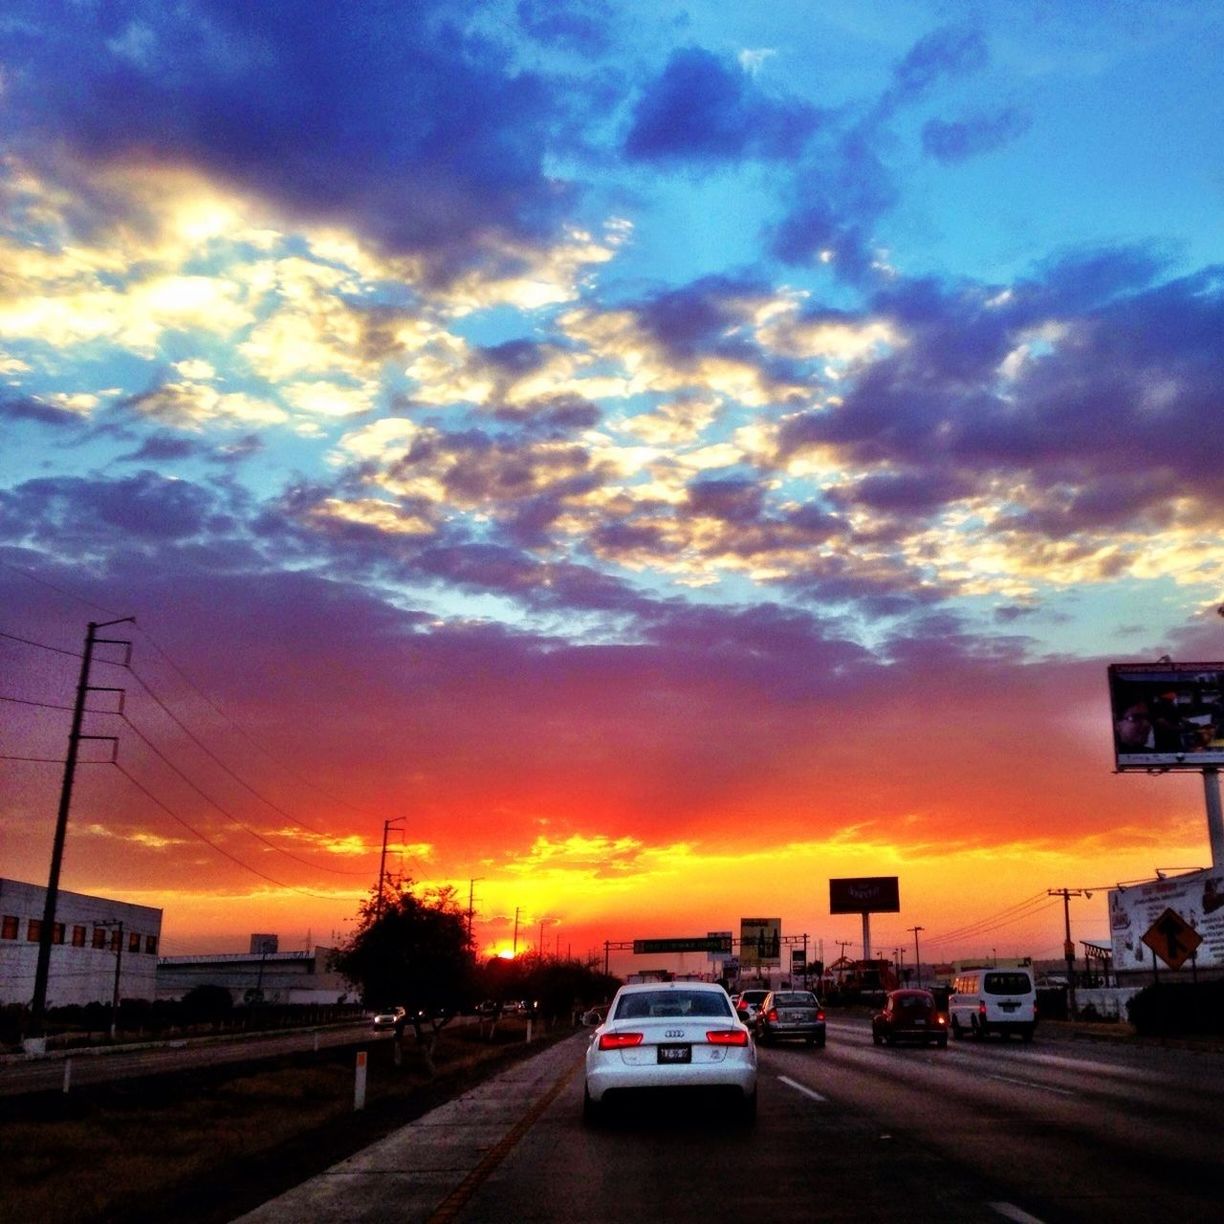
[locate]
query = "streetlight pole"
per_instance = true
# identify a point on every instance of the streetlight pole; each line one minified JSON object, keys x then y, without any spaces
{"x":514,"y":946}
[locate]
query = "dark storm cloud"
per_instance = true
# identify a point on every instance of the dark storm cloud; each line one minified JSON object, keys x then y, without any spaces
{"x":703,"y":108}
{"x":965,"y":138}
{"x":391,"y":118}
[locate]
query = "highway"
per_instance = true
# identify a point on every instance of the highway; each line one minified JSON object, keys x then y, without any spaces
{"x":1056,"y":1131}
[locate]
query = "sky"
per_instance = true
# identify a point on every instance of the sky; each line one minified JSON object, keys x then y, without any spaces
{"x":639,"y":460}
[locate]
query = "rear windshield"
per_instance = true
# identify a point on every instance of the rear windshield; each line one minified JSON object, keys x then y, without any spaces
{"x":922,"y":1001}
{"x":1007,"y":983}
{"x":673,"y":1003}
{"x":795,"y":998}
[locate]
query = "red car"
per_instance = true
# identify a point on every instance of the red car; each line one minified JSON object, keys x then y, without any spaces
{"x":910,"y":1015}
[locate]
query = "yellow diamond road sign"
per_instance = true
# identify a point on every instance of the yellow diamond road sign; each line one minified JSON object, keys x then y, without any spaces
{"x":1172,"y":938}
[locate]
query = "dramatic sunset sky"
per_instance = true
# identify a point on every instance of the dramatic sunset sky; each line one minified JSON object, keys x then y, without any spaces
{"x":659,"y":455}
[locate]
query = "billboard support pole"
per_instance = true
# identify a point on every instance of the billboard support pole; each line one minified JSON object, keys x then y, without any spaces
{"x":1215,"y":820}
{"x":866,"y":935}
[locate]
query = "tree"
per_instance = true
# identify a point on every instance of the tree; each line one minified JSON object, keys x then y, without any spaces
{"x":411,"y":951}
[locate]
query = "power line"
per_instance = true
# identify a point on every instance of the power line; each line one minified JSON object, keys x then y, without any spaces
{"x":217,"y":760}
{"x":46,"y":705}
{"x":223,"y":810}
{"x":1013,"y":913}
{"x":13,"y":637}
{"x":246,"y":734}
{"x":212,"y":844}
{"x":89,"y":603}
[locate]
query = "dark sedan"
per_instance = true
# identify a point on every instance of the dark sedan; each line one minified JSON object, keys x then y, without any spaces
{"x":790,"y":1015}
{"x":910,"y":1015}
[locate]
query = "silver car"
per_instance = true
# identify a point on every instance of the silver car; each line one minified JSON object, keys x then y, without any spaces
{"x":670,"y":1036}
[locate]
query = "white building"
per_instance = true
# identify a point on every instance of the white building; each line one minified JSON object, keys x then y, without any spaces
{"x":93,"y":940}
{"x":273,"y":977}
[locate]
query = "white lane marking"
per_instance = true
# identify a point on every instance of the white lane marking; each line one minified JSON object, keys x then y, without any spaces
{"x":1009,"y":1211}
{"x":1007,"y":1079}
{"x":790,"y":1083}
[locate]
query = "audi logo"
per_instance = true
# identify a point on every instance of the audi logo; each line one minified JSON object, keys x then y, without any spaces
{"x":674,"y":1033}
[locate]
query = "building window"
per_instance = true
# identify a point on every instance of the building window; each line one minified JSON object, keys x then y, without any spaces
{"x":150,"y":944}
{"x":133,"y":941}
{"x":57,"y":932}
{"x":99,"y":937}
{"x":116,"y":941}
{"x":34,"y":930}
{"x":78,"y":936}
{"x":9,"y":929}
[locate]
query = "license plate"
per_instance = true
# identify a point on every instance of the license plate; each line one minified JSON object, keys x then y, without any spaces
{"x":1008,"y":1007}
{"x":920,"y":1023}
{"x":675,"y":1053}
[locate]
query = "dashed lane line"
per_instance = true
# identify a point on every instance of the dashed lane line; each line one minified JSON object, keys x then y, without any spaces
{"x":790,"y":1083}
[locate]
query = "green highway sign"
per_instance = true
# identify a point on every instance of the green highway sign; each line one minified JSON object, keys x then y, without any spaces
{"x":697,"y":943}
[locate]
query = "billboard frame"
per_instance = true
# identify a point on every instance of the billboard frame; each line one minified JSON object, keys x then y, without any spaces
{"x":1166,"y":716}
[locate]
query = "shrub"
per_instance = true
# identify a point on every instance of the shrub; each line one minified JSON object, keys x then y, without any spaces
{"x":1174,"y":1009}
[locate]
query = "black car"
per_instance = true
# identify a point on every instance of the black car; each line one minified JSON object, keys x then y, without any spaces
{"x":790,"y":1015}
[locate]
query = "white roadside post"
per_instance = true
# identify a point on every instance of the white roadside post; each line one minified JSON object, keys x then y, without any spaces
{"x":359,"y":1087}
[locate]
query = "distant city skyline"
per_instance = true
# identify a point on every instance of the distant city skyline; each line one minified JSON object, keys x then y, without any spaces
{"x":656,"y":457}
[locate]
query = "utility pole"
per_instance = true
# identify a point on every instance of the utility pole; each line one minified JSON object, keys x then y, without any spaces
{"x":382,"y":863}
{"x":38,"y":1004}
{"x":115,"y":992}
{"x":1068,"y":947}
{"x":514,"y":947}
{"x":471,"y":906}
{"x":917,"y":960}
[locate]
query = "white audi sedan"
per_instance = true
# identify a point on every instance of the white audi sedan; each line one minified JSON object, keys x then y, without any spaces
{"x":670,"y":1036}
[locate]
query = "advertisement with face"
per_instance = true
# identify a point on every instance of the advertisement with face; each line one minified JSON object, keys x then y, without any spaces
{"x":1167,"y":715}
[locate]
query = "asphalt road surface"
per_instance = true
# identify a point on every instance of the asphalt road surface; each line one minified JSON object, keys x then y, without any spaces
{"x":1054,"y":1131}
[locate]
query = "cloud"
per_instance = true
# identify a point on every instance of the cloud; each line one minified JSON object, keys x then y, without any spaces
{"x":706,"y":109}
{"x":432,"y":143}
{"x":965,"y":138}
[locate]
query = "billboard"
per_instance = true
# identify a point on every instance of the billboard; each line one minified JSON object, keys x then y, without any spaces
{"x":865,"y":895}
{"x":760,"y":943}
{"x":1196,"y":898}
{"x":1167,"y":715}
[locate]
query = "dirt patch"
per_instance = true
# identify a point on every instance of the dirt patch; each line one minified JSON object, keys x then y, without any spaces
{"x":201,"y":1147}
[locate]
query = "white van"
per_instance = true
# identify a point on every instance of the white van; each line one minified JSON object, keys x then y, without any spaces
{"x":993,"y":1001}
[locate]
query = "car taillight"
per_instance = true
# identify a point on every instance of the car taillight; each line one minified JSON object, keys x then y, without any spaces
{"x":773,"y":1015}
{"x":981,"y":1009}
{"x":820,"y":1015}
{"x":619,"y":1041}
{"x":736,"y":1037}
{"x":941,"y":1019}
